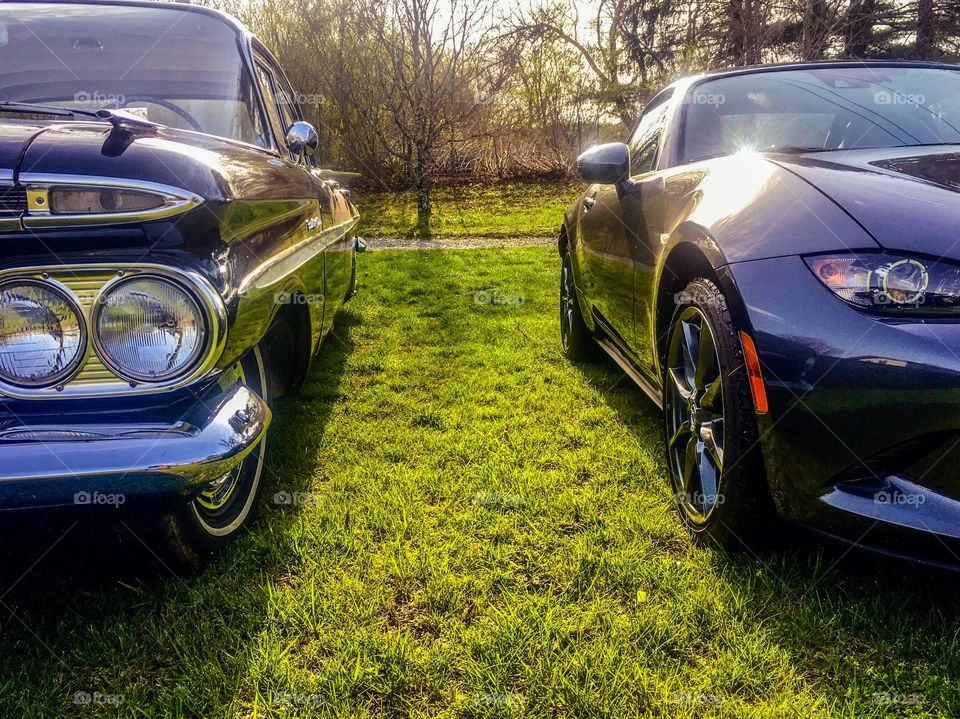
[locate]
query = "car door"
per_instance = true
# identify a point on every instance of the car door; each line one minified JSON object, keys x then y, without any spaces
{"x":336,"y":262}
{"x":613,"y":237}
{"x":336,"y":215}
{"x":644,"y":215}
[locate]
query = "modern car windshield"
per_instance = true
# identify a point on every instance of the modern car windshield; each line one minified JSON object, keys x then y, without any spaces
{"x":173,"y":67}
{"x":821,"y":109}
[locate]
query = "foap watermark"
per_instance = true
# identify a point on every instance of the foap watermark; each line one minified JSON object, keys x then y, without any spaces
{"x":696,"y":698}
{"x":706,"y":98}
{"x":498,"y":499}
{"x":295,"y":499}
{"x":897,"y":698}
{"x":699,"y":499}
{"x":887,"y":97}
{"x":297,"y":298}
{"x":898,"y":498}
{"x":99,"y":499}
{"x":493,"y":297}
{"x":501,"y":700}
{"x":100,"y":99}
{"x":484,"y":97}
{"x":302,"y":99}
{"x":85,"y":698}
{"x":299,"y":699}
{"x":703,"y":299}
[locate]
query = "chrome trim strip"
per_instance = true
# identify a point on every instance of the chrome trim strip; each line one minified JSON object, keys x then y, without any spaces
{"x":176,"y":200}
{"x":276,"y":268}
{"x":6,"y":175}
{"x":10,"y":224}
{"x":207,"y":296}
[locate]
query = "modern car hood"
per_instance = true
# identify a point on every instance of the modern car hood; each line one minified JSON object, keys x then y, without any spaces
{"x":907,"y":198}
{"x":207,"y":166}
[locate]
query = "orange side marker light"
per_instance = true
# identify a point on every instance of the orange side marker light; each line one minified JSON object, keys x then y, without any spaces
{"x":757,"y":388}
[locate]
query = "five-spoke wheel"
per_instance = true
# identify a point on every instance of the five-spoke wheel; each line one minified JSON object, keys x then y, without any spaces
{"x":695,"y":415}
{"x":713,"y":452}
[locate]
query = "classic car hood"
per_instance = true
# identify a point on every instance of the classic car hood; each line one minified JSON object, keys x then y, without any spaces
{"x":907,"y":198}
{"x":13,"y":138}
{"x":204,"y":165}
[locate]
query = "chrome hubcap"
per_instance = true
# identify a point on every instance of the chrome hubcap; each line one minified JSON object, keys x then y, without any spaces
{"x":219,"y":491}
{"x":694,"y":394}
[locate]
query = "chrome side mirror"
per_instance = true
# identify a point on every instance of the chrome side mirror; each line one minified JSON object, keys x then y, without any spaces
{"x":302,"y":139}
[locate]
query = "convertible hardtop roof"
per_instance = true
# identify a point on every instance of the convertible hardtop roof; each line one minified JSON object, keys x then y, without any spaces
{"x":825,"y":64}
{"x":185,"y":6}
{"x":685,"y":83}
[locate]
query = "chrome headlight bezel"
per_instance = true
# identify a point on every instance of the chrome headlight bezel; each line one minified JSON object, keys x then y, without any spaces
{"x":203,"y":312}
{"x":74,"y":366}
{"x":83,"y":283}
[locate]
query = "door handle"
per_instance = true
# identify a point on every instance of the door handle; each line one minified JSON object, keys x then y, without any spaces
{"x":588,"y":202}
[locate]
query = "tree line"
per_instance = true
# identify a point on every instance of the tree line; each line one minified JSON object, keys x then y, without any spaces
{"x":414,"y":92}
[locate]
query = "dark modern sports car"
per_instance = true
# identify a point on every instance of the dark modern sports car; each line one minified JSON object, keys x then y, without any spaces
{"x":171,"y":258}
{"x":774,"y":257}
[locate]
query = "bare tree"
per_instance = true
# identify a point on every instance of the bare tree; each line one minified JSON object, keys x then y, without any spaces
{"x":443,"y":63}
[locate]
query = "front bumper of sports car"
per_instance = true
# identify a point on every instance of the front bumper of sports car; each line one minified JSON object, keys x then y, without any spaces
{"x":862,"y":437}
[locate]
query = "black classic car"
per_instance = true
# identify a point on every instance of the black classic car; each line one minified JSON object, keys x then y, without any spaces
{"x":774,"y":257}
{"x":171,"y":259}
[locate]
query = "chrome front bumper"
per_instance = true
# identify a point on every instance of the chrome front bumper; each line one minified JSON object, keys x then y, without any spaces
{"x":79,"y":464}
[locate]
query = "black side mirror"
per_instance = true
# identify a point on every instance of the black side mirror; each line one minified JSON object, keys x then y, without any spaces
{"x":607,"y":164}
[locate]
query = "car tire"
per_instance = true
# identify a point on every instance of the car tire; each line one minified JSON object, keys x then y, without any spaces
{"x":713,"y":451}
{"x":194,"y":534}
{"x":575,"y":337}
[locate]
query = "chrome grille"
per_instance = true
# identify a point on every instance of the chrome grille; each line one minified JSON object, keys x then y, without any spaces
{"x":85,"y":285}
{"x":13,"y":201}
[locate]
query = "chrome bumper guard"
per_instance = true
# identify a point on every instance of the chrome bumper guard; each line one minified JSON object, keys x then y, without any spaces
{"x":46,"y":465}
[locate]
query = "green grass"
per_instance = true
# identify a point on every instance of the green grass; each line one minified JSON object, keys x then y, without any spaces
{"x":520,"y":209}
{"x":480,"y":529}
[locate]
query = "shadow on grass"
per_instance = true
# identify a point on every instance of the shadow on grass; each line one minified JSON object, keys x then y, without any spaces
{"x":73,"y":586}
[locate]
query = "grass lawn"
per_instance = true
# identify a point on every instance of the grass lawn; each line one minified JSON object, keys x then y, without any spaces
{"x":518,"y":209}
{"x":466,"y":525}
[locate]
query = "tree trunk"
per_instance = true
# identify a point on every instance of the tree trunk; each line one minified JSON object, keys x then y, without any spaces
{"x":858,"y":31}
{"x":812,"y":42}
{"x":424,"y":185}
{"x":925,"y":47}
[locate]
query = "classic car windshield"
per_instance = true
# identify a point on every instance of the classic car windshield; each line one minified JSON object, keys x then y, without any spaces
{"x":826,"y":108}
{"x":174,"y":67}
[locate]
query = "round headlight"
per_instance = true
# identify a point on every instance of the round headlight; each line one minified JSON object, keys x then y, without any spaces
{"x":149,"y":329}
{"x":42,"y":338}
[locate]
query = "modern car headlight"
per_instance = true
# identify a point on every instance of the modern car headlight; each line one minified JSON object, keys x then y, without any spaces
{"x":891,"y":283}
{"x":96,"y":201}
{"x":42,"y":335}
{"x":149,"y":329}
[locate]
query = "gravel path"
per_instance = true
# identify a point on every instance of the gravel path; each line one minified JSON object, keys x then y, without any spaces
{"x":458,"y":243}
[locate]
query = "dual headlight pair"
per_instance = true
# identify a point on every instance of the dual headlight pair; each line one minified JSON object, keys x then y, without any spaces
{"x":145,"y":328}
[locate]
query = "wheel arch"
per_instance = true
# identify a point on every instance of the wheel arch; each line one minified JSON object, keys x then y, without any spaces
{"x":683,"y":263}
{"x":289,"y":342}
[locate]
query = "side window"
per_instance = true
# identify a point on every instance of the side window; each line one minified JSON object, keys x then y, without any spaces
{"x":268,"y":87}
{"x":645,"y":142}
{"x":286,"y":100}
